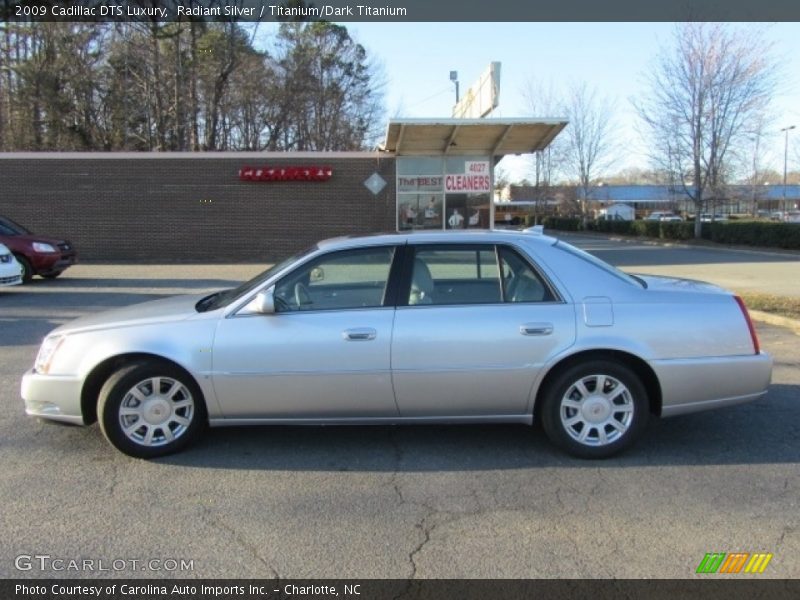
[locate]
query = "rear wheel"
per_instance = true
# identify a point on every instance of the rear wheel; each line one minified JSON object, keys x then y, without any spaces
{"x":151,"y":409}
{"x":595,"y":409}
{"x":51,"y":274}
{"x":27,"y":269}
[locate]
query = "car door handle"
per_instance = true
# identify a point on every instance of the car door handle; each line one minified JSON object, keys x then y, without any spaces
{"x":536,"y":328}
{"x":362,"y":334}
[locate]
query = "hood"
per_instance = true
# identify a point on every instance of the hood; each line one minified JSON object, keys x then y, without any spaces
{"x":660,"y":283}
{"x":22,"y":242}
{"x":175,"y":308}
{"x":32,"y":237}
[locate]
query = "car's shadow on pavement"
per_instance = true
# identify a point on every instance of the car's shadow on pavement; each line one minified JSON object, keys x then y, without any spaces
{"x":763,"y":432}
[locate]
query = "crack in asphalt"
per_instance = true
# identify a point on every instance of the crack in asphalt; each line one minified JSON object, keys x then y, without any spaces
{"x":786,"y":529}
{"x":425,"y":524}
{"x":114,"y":480}
{"x":209,"y":517}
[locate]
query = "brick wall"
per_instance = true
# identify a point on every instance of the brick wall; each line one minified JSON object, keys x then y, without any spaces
{"x":192,"y":208}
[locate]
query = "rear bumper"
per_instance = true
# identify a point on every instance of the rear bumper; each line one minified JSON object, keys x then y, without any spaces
{"x":693,"y":385}
{"x":57,"y":398}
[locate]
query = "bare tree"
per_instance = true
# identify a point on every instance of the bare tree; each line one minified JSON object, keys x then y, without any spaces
{"x":589,"y":146}
{"x":752,"y":157}
{"x":331,"y":91}
{"x":544,"y":100}
{"x":704,"y":92}
{"x":182,"y":85}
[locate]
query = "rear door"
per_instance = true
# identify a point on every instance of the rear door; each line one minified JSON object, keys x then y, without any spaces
{"x":474,"y":325}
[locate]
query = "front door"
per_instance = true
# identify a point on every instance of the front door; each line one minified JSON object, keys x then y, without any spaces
{"x":324,"y":354}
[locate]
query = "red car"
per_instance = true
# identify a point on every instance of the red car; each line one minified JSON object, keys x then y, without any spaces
{"x":37,"y":254}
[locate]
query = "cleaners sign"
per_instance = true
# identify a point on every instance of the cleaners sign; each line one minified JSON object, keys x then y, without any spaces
{"x":474,"y":180}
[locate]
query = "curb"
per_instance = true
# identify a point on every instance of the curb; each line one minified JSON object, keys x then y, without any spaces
{"x":769,"y":318}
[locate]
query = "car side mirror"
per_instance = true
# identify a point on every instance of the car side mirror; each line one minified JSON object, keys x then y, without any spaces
{"x":264,"y":302}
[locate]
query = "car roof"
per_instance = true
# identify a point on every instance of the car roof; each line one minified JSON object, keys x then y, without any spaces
{"x":476,"y":236}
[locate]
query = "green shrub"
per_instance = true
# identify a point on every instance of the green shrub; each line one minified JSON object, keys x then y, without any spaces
{"x":751,"y":233}
{"x":563,"y":223}
{"x":619,"y":227}
{"x":757,"y":233}
{"x":674,"y":230}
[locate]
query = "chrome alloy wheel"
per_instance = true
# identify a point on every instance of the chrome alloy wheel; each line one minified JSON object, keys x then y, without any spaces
{"x":596,"y":410}
{"x":156,"y":411}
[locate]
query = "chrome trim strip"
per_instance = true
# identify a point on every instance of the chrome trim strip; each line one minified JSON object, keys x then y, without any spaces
{"x":454,"y":420}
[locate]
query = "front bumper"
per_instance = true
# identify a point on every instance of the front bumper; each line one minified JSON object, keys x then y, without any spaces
{"x":10,"y":273}
{"x":10,"y":280}
{"x":693,"y":385}
{"x":55,"y":262}
{"x":54,"y":397}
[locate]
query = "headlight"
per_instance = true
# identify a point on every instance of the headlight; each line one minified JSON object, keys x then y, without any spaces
{"x":43,"y":248}
{"x":46,"y":353}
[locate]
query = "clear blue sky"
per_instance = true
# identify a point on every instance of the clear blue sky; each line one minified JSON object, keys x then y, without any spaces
{"x":611,"y":57}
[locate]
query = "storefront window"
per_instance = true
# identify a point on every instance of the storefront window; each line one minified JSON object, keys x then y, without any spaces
{"x":443,"y":193}
{"x":419,"y":211}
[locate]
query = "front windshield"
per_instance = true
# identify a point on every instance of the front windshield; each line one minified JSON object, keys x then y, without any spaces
{"x":582,"y":254}
{"x":226,"y":297}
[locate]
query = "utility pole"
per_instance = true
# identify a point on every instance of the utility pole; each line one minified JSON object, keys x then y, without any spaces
{"x":785,"y":161}
{"x":454,"y":79}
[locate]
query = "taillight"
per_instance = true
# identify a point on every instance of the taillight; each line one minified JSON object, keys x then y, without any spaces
{"x":753,"y":336}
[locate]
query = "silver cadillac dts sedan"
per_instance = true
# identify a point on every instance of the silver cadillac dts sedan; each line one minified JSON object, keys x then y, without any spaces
{"x":445,"y":327}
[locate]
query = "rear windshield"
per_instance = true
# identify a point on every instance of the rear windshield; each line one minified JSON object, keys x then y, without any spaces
{"x":590,"y":258}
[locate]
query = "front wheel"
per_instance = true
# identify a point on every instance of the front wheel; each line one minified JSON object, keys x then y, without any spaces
{"x":595,"y":409}
{"x":151,"y":409}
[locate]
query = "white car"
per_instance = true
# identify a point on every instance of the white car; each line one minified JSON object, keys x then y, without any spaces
{"x":10,"y":269}
{"x":708,"y":218}
{"x":662,"y":216}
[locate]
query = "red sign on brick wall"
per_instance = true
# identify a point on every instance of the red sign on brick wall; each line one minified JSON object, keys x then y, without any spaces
{"x":266,"y":173}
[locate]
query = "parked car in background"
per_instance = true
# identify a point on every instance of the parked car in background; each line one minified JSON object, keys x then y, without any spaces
{"x":663,"y":216}
{"x":10,"y":269}
{"x":38,"y":255}
{"x":429,"y":327}
{"x":789,"y":216}
{"x":708,"y":218}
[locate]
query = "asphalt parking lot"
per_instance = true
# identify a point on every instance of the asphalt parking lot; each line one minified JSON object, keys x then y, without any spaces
{"x":432,"y":502}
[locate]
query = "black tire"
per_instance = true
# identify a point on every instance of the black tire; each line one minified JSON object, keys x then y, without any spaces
{"x":27,"y":268}
{"x":116,"y":395}
{"x":607,"y":431}
{"x":51,"y":274}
